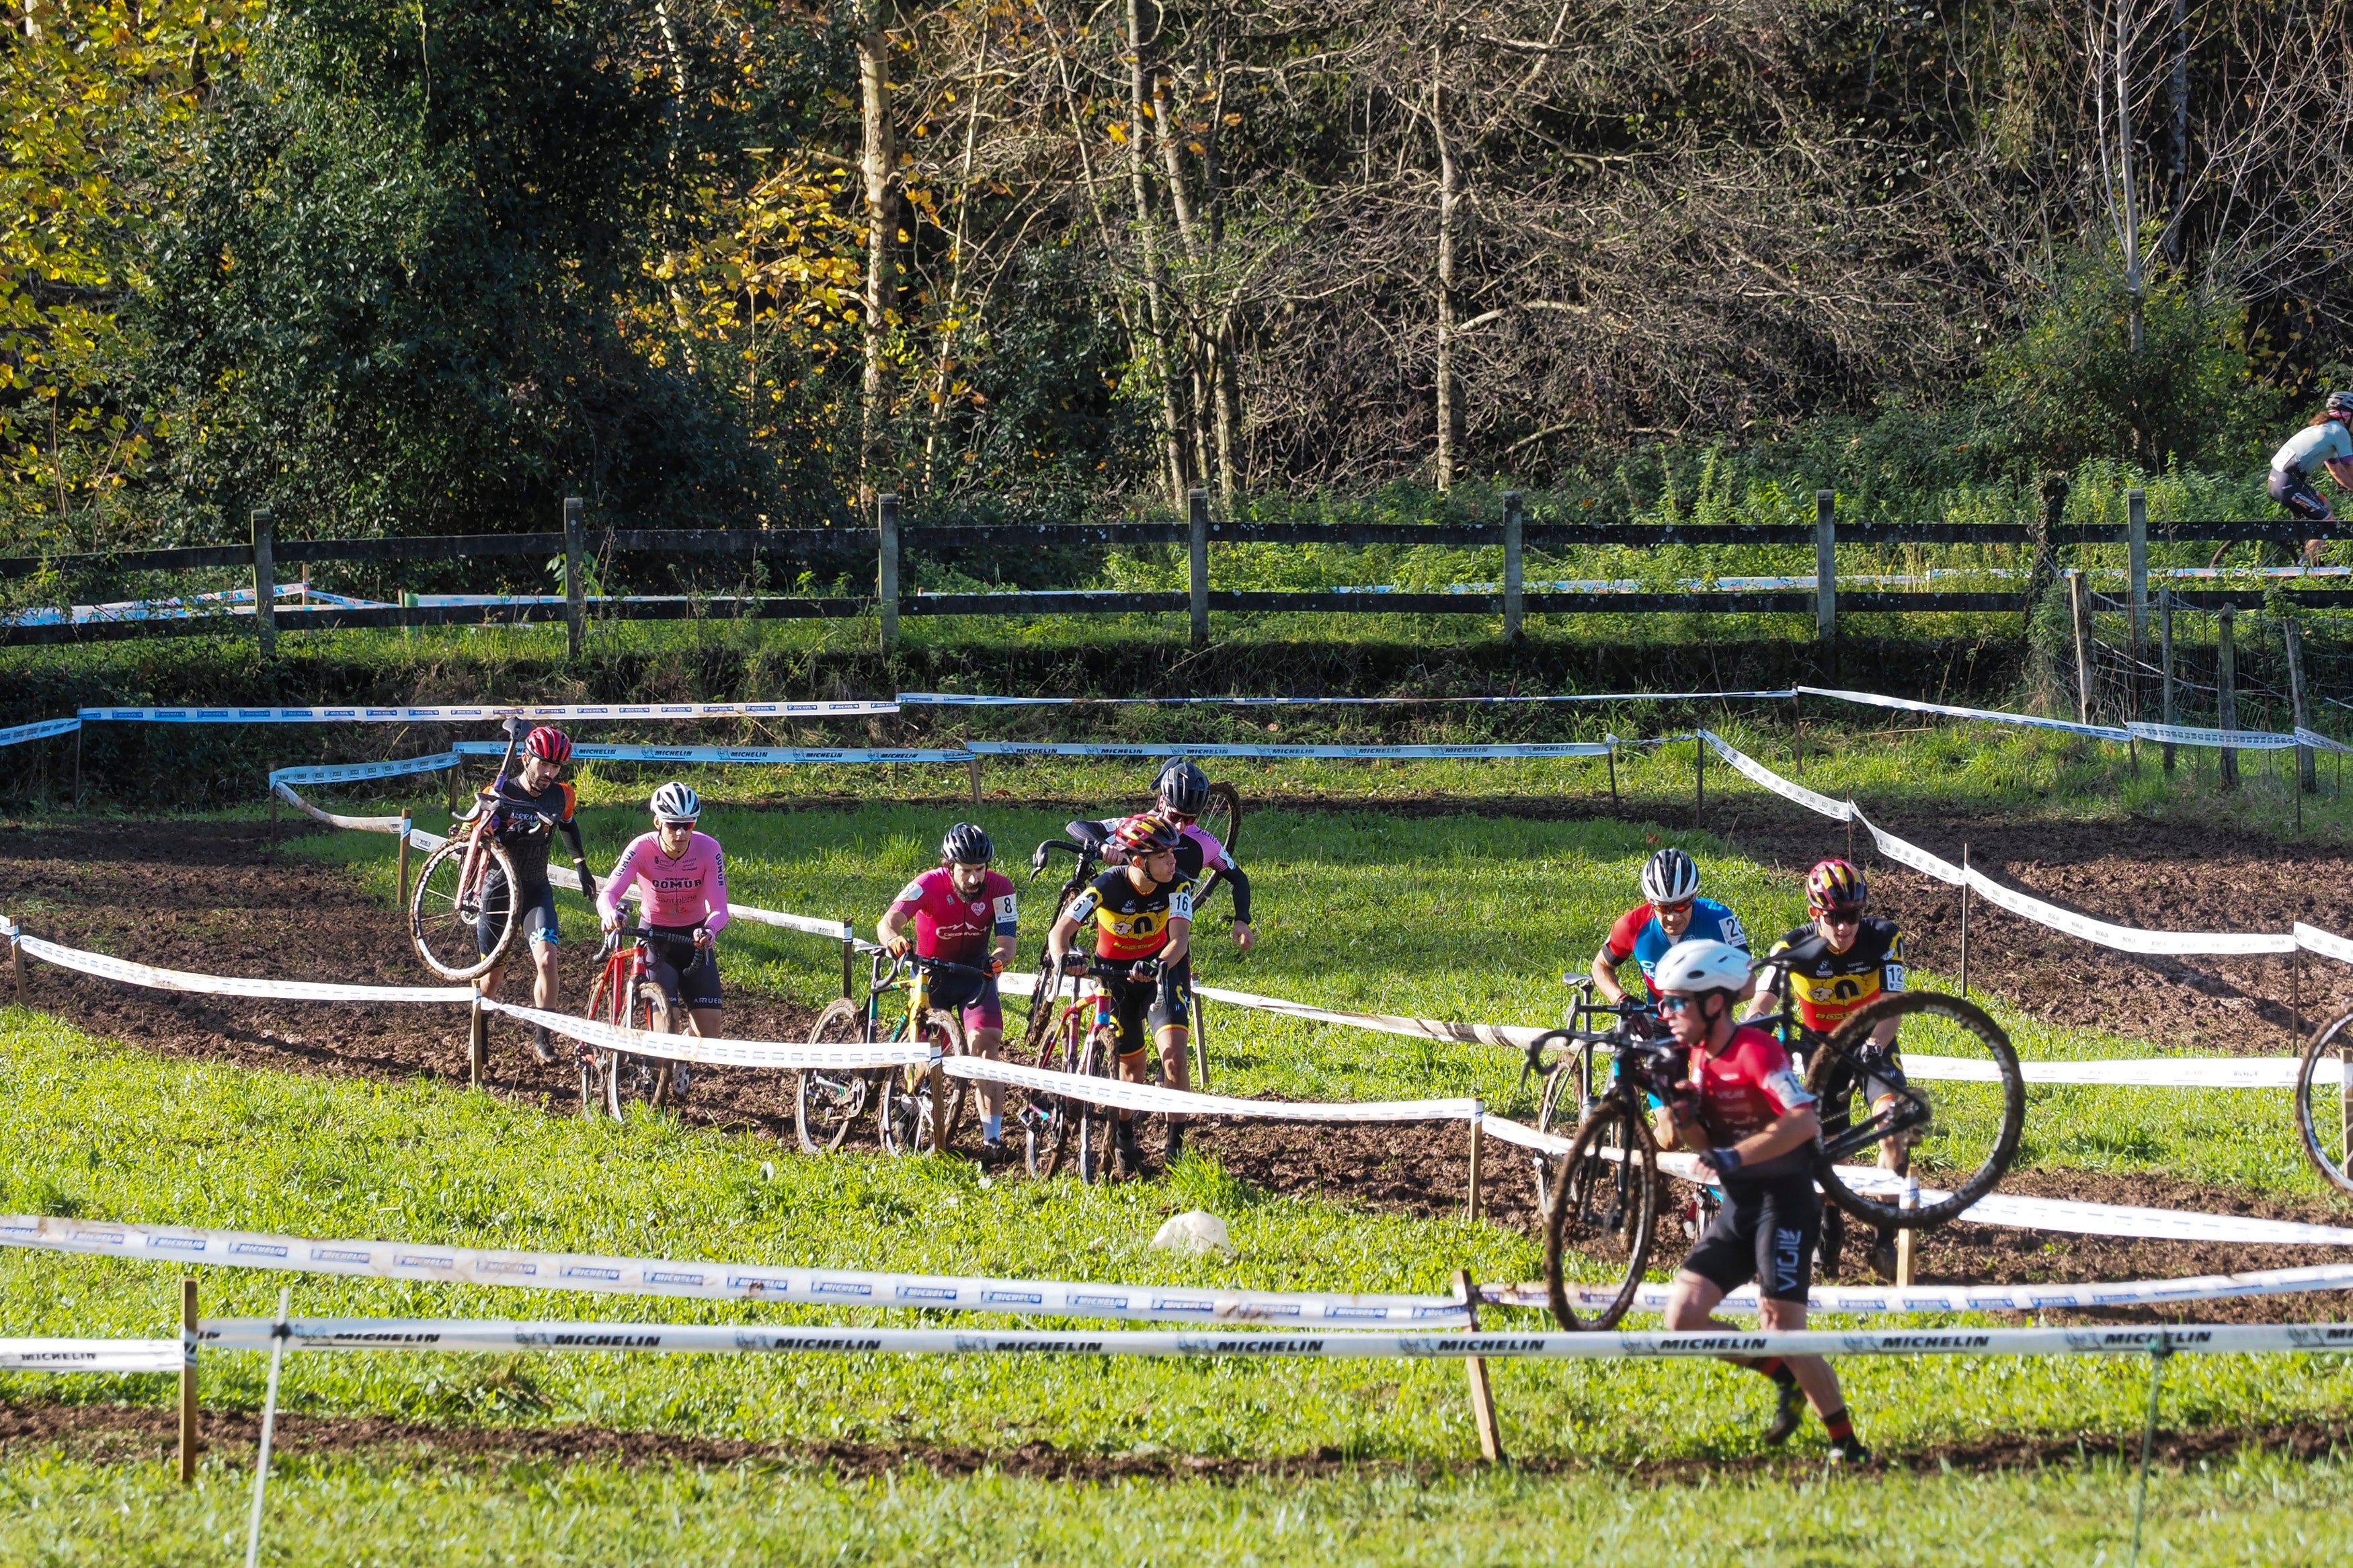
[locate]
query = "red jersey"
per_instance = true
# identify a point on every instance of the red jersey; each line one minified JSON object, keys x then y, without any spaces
{"x":950,"y":926}
{"x":1743,"y":1090}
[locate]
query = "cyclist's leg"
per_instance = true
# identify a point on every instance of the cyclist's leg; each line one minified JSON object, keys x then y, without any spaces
{"x":1726,"y":1258}
{"x":1790,"y":1229}
{"x":696,"y":986}
{"x":984,"y":1032}
{"x":489,"y":921}
{"x":539,"y":924}
{"x":1172,"y":1004}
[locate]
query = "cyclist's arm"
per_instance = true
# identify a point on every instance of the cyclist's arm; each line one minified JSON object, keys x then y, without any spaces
{"x":1604,"y":976}
{"x":1058,"y":940}
{"x":1239,"y":879}
{"x":1796,"y":1126}
{"x":571,"y":831}
{"x":1006,"y":932}
{"x":617,"y":886}
{"x":893,"y":922}
{"x":1180,"y":940}
{"x":715,"y":913}
{"x":2341,"y":470}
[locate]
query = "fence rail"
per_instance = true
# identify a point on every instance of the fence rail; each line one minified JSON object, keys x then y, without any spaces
{"x":890,"y":540}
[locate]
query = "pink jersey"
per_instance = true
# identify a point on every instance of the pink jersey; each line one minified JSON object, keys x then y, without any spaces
{"x":690,"y":889}
{"x":950,"y":926}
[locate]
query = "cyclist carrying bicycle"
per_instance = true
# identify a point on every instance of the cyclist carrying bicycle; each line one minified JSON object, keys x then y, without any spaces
{"x":1752,"y":1123}
{"x":961,"y":908}
{"x":1184,"y":794}
{"x":1840,"y":961}
{"x":1142,"y":914}
{"x":526,"y":809}
{"x":1671,"y":911}
{"x":681,"y":879}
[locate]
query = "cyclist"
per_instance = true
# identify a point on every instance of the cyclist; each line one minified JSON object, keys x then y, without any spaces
{"x":1142,"y":914}
{"x":1837,"y":964}
{"x":526,"y":809}
{"x":1753,"y":1124}
{"x":1184,"y":794}
{"x":959,"y":908}
{"x":2324,"y":443}
{"x":681,"y":879}
{"x":1671,"y":911}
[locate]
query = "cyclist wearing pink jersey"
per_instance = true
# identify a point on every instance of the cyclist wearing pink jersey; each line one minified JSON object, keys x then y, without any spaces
{"x":681,"y":879}
{"x":964,"y":914}
{"x":1183,"y":792}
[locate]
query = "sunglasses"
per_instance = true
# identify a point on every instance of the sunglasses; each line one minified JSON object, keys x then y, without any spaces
{"x":1851,"y":916}
{"x":1682,"y":907}
{"x":1672,"y":1004}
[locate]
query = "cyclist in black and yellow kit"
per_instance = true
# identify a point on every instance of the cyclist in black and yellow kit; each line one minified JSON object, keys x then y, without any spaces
{"x":1833,"y":967}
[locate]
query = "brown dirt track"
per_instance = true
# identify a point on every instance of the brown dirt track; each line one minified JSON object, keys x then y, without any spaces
{"x":206,"y":899}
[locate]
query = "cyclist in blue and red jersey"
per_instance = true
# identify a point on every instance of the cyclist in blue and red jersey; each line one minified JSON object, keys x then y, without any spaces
{"x":1752,"y":1123}
{"x":964,"y":913}
{"x":1671,"y":911}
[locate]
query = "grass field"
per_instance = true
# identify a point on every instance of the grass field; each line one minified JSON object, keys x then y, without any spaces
{"x":1466,"y":917}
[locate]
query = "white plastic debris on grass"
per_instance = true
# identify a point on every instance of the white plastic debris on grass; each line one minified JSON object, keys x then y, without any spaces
{"x":1194,"y":1232}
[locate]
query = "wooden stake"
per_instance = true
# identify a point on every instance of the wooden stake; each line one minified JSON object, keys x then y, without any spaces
{"x":76,"y":792}
{"x":1470,"y":1210}
{"x":189,"y":1383}
{"x":1965,"y":919}
{"x":972,"y":768}
{"x":2296,"y":999}
{"x":1612,"y":744}
{"x":16,"y":963}
{"x":849,"y":957}
{"x":939,"y":1109}
{"x":1699,"y":779}
{"x":1483,"y":1397}
{"x":453,"y":790}
{"x":406,"y":827}
{"x":1906,"y":1246}
{"x":478,"y":1044}
{"x":1200,"y":1042}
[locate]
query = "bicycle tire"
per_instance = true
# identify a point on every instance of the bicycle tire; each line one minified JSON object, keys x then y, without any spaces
{"x":439,"y":927}
{"x":2322,"y":1134}
{"x":1047,"y":1124}
{"x":631,"y":1079}
{"x":1223,"y":818}
{"x":1097,"y":1125}
{"x":828,"y":1101}
{"x":1604,"y":1206}
{"x":904,"y":1116}
{"x":1565,"y":1073}
{"x":1833,"y":1076}
{"x":592,"y":1070}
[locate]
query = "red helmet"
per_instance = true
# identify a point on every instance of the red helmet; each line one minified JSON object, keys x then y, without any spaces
{"x":549,"y":741}
{"x":1143,"y":835}
{"x":1835,"y":885}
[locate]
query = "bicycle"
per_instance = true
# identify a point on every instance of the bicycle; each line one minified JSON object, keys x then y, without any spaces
{"x":447,"y":904}
{"x":1605,"y":1200}
{"x":1084,"y":1041}
{"x":2325,"y":1128}
{"x":626,"y":993}
{"x":827,"y":1102}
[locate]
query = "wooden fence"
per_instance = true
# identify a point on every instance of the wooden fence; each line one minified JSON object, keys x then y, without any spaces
{"x":886,"y":545}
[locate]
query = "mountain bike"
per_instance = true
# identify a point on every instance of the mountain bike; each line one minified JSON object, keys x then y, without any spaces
{"x":626,"y":993}
{"x":2324,"y":1111}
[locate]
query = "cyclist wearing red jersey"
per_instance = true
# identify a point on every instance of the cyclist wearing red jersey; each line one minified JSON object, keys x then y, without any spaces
{"x":1753,"y":1124}
{"x":964,"y":913}
{"x":1142,"y":914}
{"x":526,"y":809}
{"x":681,"y":879}
{"x":1832,"y":967}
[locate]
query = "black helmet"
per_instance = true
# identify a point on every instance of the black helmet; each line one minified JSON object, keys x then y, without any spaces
{"x":1183,"y":787}
{"x":966,"y":845}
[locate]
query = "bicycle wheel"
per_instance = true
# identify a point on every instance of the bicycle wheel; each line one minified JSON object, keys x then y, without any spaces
{"x":629,"y":1077}
{"x":826,"y":1100}
{"x":1557,"y":1113}
{"x":1097,"y":1128}
{"x":1958,"y":1133}
{"x":1222,"y":819}
{"x":906,"y":1108}
{"x":441,"y":923}
{"x":592,"y":1061}
{"x":1604,"y":1208}
{"x":1046,"y":1121}
{"x":2325,"y":1119}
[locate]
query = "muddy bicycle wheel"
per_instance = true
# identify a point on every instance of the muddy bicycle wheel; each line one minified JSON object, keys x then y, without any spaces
{"x":444,"y":921}
{"x":2323,"y":1102}
{"x":905,"y":1112}
{"x":1559,"y":1110}
{"x":629,"y":1077}
{"x":1964,"y":1123}
{"x":1222,"y":818}
{"x":1605,"y":1204}
{"x":1097,"y":1130}
{"x":1047,"y":1119}
{"x":827,"y":1101}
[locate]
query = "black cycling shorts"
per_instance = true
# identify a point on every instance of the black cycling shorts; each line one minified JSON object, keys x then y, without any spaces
{"x":2293,"y":491}
{"x":1143,"y":1011}
{"x":975,"y":996}
{"x":538,"y":915}
{"x":687,"y":973}
{"x":1765,"y":1231}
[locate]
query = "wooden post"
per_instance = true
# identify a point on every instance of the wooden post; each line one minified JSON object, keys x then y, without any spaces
{"x":2308,"y":773}
{"x":886,"y":567}
{"x":1850,"y":830}
{"x":1471,"y":1209}
{"x":17,"y":965}
{"x":2137,"y":566}
{"x":1797,"y":720}
{"x":939,"y":1109}
{"x":1612,"y":744}
{"x":2082,"y":613}
{"x":188,"y":1382}
{"x":2227,"y":680}
{"x":1699,"y":778}
{"x":1965,"y":919}
{"x":2165,"y":635}
{"x":1200,"y":1042}
{"x":972,"y":772}
{"x":576,"y":596}
{"x":453,"y":787}
{"x":76,"y":789}
{"x":1826,"y":567}
{"x":1196,"y":563}
{"x":406,"y":827}
{"x":848,"y":957}
{"x":264,"y":582}
{"x":1482,"y":1395}
{"x":2296,"y":999}
{"x":1515,"y":526}
{"x":478,"y":1044}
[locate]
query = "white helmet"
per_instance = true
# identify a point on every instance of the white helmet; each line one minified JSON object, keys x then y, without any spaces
{"x":676,"y":803}
{"x":1670,"y":878}
{"x":1694,"y":966}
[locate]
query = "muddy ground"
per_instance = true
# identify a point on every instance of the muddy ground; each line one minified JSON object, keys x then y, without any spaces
{"x":213,"y":901}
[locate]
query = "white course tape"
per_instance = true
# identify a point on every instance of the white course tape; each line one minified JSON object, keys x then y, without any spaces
{"x":959,"y":700}
{"x":2315,"y":738}
{"x":1121,"y":749}
{"x":588,"y":751}
{"x":717,"y":1052}
{"x":2198,"y":735}
{"x":1152,"y":1098}
{"x":1986,"y":1298}
{"x":460,"y":713}
{"x":747,"y":1338}
{"x":18,"y":733}
{"x":92,"y":1355}
{"x":179,"y":1245}
{"x":2312,"y":939}
{"x":344,"y":773}
{"x":1836,"y":810}
{"x":1517,"y":1035}
{"x":110,"y":968}
{"x":1991,"y":715}
{"x":335,"y":819}
{"x":1905,"y":853}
